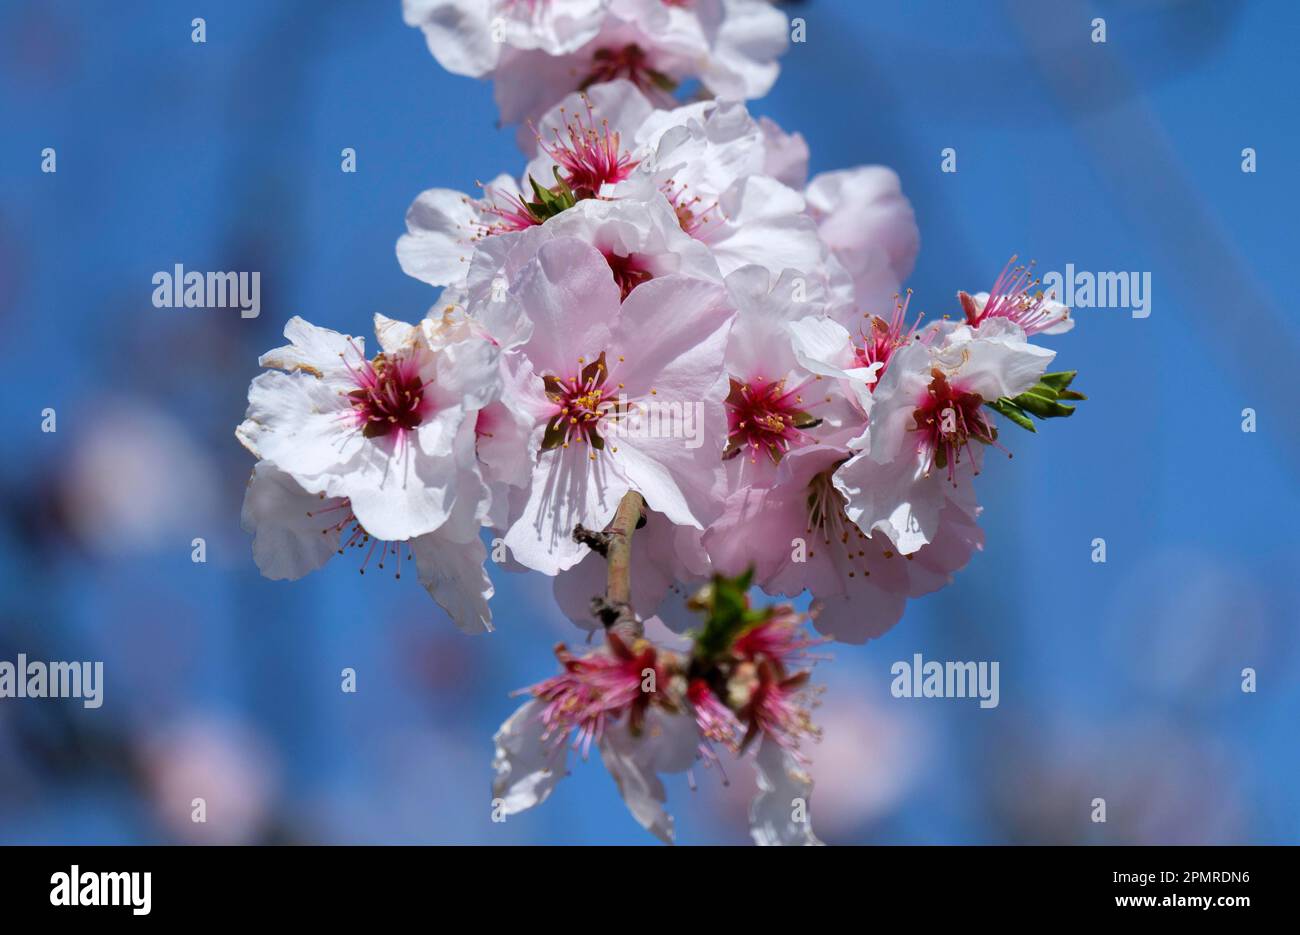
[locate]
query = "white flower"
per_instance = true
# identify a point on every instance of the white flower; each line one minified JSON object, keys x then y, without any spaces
{"x":711,"y":160}
{"x":640,"y":241}
{"x":928,"y":426}
{"x":467,"y":36}
{"x":862,"y":215}
{"x":621,"y":398}
{"x":393,"y":434}
{"x":530,"y":759}
{"x":776,"y":403}
{"x":682,"y":190}
{"x":536,"y":53}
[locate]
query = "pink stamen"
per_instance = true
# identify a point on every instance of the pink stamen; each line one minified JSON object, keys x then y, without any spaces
{"x":766,"y":418}
{"x":1013,"y":296}
{"x":593,"y":690}
{"x":886,"y":336}
{"x":947,"y":419}
{"x":589,"y":156}
{"x":389,"y":397}
{"x":352,"y":535}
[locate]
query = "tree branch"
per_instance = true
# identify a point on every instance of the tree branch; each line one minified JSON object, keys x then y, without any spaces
{"x":614,"y":609}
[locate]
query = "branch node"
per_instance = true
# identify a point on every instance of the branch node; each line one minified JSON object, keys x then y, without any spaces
{"x":598,"y":542}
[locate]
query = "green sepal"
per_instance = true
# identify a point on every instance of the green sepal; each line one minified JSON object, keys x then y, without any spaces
{"x":550,"y":203}
{"x":1042,"y":400}
{"x":725,"y":604}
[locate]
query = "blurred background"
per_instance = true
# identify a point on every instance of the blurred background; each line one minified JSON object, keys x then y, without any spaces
{"x":1119,"y":680}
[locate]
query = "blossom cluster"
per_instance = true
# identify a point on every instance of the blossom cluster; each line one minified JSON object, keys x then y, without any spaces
{"x":662,"y":303}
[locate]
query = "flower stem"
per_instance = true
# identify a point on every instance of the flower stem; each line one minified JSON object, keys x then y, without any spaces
{"x":615,"y":610}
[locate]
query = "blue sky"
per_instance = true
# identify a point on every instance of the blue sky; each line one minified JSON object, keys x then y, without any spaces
{"x":1119,"y":680}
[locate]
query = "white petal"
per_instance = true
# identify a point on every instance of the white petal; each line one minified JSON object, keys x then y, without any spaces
{"x":458,"y":32}
{"x":299,"y":423}
{"x":784,"y":788}
{"x":567,"y":489}
{"x":312,"y":349}
{"x":527,"y":768}
{"x":895,"y":498}
{"x":437,"y":245}
{"x":667,"y":743}
{"x":454,"y":575}
{"x":292,"y":529}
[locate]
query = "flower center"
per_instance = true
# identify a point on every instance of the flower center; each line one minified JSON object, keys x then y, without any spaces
{"x":948,"y":419}
{"x":588,"y":156}
{"x":629,"y":62}
{"x":581,"y":401}
{"x":628,"y":272}
{"x":512,"y":213}
{"x":389,"y":398}
{"x":692,"y":215}
{"x":886,"y":336}
{"x":595,"y":688}
{"x":827,"y":519}
{"x":766,"y":418}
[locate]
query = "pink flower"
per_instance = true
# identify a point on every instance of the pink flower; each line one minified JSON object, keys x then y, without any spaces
{"x":928,"y":428}
{"x":600,"y":699}
{"x":639,"y":241}
{"x":596,"y":688}
{"x":776,"y":404}
{"x":797,"y":536}
{"x":863,"y":217}
{"x":588,"y":155}
{"x":717,"y":723}
{"x":779,"y":708}
{"x":536,"y":51}
{"x":621,"y":395}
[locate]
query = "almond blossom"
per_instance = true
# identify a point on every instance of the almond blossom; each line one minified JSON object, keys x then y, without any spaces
{"x":796,"y":536}
{"x":929,"y":427}
{"x":536,"y":51}
{"x":385,"y":444}
{"x":1015,"y":297}
{"x":666,"y":368}
{"x":747,"y":687}
{"x":624,"y":395}
{"x":692,"y":181}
